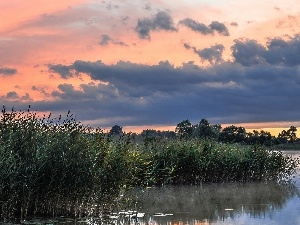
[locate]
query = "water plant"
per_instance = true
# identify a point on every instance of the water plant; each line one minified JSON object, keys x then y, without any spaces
{"x":57,"y":166}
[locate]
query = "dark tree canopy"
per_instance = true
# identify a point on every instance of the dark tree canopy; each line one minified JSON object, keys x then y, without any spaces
{"x":233,"y":134}
{"x":116,"y":130}
{"x":184,"y":129}
{"x":288,"y":136}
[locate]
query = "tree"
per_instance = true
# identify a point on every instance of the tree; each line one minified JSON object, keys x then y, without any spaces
{"x":202,"y":129}
{"x":287,"y":136}
{"x":149,"y":135}
{"x":216,"y":130}
{"x":116,"y":130}
{"x":233,"y":134}
{"x":184,"y":129}
{"x":262,"y":137}
{"x":292,"y":134}
{"x":205,"y":130}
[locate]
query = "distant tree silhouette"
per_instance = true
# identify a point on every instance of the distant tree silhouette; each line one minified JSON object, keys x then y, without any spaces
{"x":205,"y":130}
{"x":287,"y":136}
{"x":262,"y":137}
{"x":184,"y":129}
{"x":116,"y":130}
{"x":233,"y":134}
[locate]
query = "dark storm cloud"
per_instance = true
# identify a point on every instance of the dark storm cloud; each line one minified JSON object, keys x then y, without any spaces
{"x":195,"y":26}
{"x":227,"y":92}
{"x":219,"y":27}
{"x":212,"y":54}
{"x":63,"y":70}
{"x":160,"y":21}
{"x":248,"y":52}
{"x":12,"y":95}
{"x":7,"y":71}
{"x":276,"y":52}
{"x":203,"y":29}
{"x":261,"y":84}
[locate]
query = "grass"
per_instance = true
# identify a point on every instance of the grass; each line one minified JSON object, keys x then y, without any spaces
{"x":55,"y":166}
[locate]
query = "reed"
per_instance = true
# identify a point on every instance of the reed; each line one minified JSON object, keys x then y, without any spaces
{"x":203,"y":160}
{"x":54,"y":166}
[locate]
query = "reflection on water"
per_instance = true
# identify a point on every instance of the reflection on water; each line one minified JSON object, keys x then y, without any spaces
{"x":228,"y":203}
{"x":215,"y":202}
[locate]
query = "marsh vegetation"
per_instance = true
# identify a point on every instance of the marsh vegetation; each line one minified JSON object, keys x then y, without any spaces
{"x":57,"y":166}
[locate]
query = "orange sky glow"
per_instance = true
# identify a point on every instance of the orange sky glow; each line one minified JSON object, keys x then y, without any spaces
{"x":151,"y":64}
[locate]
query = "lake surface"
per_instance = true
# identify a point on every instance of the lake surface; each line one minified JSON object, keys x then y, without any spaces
{"x":229,"y":203}
{"x":214,"y":204}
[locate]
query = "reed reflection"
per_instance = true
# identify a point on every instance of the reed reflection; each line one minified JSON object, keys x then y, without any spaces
{"x":214,"y":202}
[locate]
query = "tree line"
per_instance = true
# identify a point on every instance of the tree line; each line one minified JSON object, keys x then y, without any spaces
{"x":230,"y":134}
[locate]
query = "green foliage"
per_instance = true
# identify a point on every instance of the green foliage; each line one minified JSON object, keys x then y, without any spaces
{"x":205,"y":130}
{"x":195,"y":161}
{"x":233,"y":134}
{"x":55,"y":166}
{"x":116,"y":130}
{"x":184,"y":129}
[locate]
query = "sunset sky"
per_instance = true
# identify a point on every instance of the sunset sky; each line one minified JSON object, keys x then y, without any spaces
{"x":151,"y":64}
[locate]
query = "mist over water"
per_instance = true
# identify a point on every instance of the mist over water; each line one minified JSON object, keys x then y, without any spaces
{"x":227,"y":203}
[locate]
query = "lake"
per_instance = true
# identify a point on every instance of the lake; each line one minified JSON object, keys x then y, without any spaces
{"x":227,"y":203}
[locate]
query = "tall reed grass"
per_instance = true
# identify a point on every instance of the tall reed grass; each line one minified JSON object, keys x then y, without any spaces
{"x":199,"y":160}
{"x":55,"y":166}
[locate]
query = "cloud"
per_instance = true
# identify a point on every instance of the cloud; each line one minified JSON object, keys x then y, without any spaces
{"x":40,"y":90}
{"x":219,"y":27}
{"x":12,"y":95}
{"x":7,"y":71}
{"x":140,"y":94}
{"x":203,"y":29}
{"x":147,"y":6}
{"x":106,"y":39}
{"x":260,"y":84}
{"x":63,"y":70}
{"x":160,"y":21}
{"x":248,"y":52}
{"x":195,"y":26}
{"x":124,"y":18}
{"x":87,"y":92}
{"x":276,"y":52}
{"x":212,"y":55}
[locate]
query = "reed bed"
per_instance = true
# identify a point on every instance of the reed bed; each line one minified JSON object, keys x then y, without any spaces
{"x":54,"y":166}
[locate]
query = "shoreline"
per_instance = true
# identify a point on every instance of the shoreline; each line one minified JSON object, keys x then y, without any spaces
{"x":290,"y":151}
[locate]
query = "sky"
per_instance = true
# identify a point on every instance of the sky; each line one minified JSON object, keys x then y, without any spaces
{"x":151,"y":64}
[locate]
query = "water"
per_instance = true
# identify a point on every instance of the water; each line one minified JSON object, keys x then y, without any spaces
{"x":250,"y":203}
{"x":226,"y":204}
{"x":267,"y":203}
